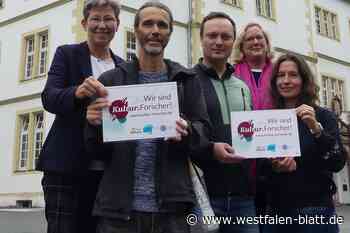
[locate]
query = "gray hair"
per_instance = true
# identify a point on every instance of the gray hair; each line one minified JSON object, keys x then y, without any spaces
{"x":89,"y":4}
{"x":237,"y":53}
{"x":156,"y":5}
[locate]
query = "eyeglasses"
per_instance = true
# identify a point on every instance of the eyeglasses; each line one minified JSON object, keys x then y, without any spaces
{"x":106,"y":21}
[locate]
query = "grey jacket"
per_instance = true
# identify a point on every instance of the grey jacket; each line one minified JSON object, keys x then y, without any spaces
{"x":173,"y":183}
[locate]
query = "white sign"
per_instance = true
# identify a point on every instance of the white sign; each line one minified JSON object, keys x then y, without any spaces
{"x":141,"y":111}
{"x":265,"y":133}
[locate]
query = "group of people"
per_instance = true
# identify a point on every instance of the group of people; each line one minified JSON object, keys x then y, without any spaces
{"x":145,"y":185}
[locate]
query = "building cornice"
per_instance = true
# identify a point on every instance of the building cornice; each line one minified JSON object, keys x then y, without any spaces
{"x":33,"y":12}
{"x":20,"y":99}
{"x":306,"y":57}
{"x":333,"y":59}
{"x":24,"y":194}
{"x":62,"y":2}
{"x":315,"y":59}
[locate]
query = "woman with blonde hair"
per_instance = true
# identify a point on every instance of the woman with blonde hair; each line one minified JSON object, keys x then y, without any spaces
{"x":252,"y":54}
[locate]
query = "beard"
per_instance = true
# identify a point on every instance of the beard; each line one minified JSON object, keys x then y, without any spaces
{"x":153,"y":50}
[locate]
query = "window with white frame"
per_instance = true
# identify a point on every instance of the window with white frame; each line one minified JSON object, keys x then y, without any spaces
{"x":130,"y":45}
{"x":29,"y":58}
{"x":318,"y":19}
{"x":326,"y":23}
{"x":23,"y":142}
{"x":236,"y":3}
{"x":38,"y":136}
{"x":35,"y":55}
{"x":332,"y":87}
{"x":265,"y":8}
{"x":43,"y":38}
{"x":30,"y":140}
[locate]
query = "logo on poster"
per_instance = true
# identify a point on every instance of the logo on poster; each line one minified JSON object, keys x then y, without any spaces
{"x":148,"y":128}
{"x":118,"y":110}
{"x":135,"y":131}
{"x":163,"y":128}
{"x":260,"y":148}
{"x":246,"y":130}
{"x":271,"y":147}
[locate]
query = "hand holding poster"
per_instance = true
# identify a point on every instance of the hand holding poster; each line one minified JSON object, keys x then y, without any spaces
{"x":265,"y":133}
{"x":141,"y":111}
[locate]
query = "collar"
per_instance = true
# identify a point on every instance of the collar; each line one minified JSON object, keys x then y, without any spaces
{"x":174,"y":69}
{"x":212,"y":73}
{"x":85,"y":50}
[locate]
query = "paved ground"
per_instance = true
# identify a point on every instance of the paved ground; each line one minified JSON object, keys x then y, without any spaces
{"x":344,"y":211}
{"x":22,"y":221}
{"x":32,"y":221}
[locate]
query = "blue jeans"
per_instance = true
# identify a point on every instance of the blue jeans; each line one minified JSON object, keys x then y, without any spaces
{"x":298,"y":223}
{"x":235,"y":207}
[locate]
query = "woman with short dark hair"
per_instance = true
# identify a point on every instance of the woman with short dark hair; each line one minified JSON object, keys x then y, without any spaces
{"x":71,"y":175}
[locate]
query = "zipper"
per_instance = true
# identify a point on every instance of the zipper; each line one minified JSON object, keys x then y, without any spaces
{"x":226,"y":99}
{"x":243,"y":99}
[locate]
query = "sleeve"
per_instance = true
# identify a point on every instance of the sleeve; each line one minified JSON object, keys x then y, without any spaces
{"x":58,"y":97}
{"x":94,"y":143}
{"x":334,"y":158}
{"x":93,"y":135}
{"x":195,"y":113}
{"x":328,"y":154}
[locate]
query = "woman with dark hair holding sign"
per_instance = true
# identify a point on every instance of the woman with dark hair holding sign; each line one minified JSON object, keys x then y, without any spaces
{"x":301,"y":188}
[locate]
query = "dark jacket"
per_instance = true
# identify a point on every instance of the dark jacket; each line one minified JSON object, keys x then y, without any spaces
{"x":63,"y":150}
{"x":173,"y":183}
{"x":311,"y":184}
{"x":224,"y":179}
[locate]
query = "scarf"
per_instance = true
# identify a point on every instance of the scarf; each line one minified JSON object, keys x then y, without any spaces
{"x":261,"y":96}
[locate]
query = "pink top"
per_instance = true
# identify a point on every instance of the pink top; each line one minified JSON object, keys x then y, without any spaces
{"x":261,"y":96}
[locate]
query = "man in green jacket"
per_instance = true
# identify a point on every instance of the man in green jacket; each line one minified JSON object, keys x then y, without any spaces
{"x":228,"y":177}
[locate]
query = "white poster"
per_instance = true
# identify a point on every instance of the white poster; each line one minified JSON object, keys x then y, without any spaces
{"x":265,"y":133}
{"x":141,"y":111}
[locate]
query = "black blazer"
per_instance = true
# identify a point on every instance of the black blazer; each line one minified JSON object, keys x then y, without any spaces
{"x":63,"y":150}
